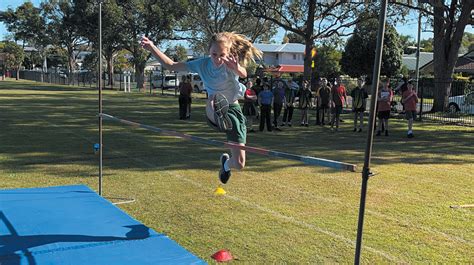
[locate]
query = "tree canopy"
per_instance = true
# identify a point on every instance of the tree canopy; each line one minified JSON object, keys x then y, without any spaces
{"x":359,"y":53}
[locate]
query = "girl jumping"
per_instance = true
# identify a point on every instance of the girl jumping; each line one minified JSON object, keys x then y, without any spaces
{"x":229,"y":54}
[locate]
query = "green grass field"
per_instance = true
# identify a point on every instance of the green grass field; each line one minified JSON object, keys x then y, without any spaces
{"x":275,"y":211}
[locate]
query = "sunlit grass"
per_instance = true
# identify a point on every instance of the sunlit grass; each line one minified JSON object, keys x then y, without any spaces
{"x":275,"y":210}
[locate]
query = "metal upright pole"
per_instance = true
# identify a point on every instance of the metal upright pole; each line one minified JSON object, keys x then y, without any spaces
{"x":100,"y":98}
{"x":417,"y":72}
{"x":370,"y":132}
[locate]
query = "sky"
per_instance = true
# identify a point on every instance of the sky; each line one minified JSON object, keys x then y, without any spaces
{"x":410,"y":28}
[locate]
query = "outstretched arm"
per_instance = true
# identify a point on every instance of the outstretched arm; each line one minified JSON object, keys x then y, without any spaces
{"x":164,"y":60}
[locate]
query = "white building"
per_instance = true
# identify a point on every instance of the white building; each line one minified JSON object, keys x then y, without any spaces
{"x":288,"y":57}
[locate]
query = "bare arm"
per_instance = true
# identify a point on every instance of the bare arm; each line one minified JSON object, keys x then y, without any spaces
{"x":164,"y":60}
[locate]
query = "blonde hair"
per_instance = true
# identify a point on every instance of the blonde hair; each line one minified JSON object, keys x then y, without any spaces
{"x":239,"y":46}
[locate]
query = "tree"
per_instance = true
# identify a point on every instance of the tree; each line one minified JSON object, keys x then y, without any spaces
{"x":359,"y":53}
{"x":27,"y":23}
{"x":407,"y":42}
{"x":294,"y":38}
{"x":178,"y":53}
{"x":152,"y":18}
{"x":63,"y":27}
{"x":22,"y":22}
{"x":113,"y":33}
{"x":326,"y":62}
{"x":121,"y":62}
{"x":207,"y":17}
{"x":14,"y":57}
{"x":312,"y":20}
{"x":427,"y":45}
{"x":449,"y":20}
{"x":467,"y":43}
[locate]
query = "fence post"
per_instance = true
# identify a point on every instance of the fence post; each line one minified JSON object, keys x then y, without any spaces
{"x":175,"y":86}
{"x":151,"y":83}
{"x":421,"y":100}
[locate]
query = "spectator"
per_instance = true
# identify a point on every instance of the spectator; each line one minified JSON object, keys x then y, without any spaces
{"x":384,"y":101}
{"x":359,"y":102}
{"x":257,"y":86}
{"x":289,"y":105}
{"x":324,"y":94}
{"x":249,"y":109}
{"x":339,"y":99}
{"x":305,"y":98}
{"x":409,"y":100}
{"x":278,"y":100}
{"x":265,"y":100}
{"x":185,"y":90}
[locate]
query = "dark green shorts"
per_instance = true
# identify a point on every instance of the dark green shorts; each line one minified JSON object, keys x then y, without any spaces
{"x":238,"y":134}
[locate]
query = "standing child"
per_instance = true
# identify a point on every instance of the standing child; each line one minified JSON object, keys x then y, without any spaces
{"x":339,"y":99}
{"x":384,"y":102}
{"x":265,"y":100}
{"x":249,"y":109}
{"x":289,"y":106}
{"x":409,"y":100}
{"x":229,"y":54}
{"x":359,"y":100}
{"x":324,"y":100}
{"x":305,"y":98}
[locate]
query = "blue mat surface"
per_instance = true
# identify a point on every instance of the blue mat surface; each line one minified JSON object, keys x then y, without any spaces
{"x":74,"y":225}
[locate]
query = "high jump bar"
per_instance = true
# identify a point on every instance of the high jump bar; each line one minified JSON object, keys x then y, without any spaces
{"x":305,"y":159}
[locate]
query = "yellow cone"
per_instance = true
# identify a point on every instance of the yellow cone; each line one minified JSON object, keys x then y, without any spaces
{"x":219,"y":191}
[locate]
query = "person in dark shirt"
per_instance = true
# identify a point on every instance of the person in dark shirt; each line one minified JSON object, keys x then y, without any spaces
{"x":185,"y":90}
{"x":324,"y":100}
{"x":359,"y":98}
{"x":305,"y":98}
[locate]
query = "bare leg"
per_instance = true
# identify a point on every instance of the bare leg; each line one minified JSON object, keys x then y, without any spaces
{"x":237,"y":159}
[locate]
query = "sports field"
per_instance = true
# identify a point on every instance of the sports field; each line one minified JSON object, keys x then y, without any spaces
{"x":275,"y":211}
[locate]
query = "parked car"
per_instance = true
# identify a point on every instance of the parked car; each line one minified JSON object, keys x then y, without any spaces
{"x":197,"y":84}
{"x":462,"y":103}
{"x":171,"y":81}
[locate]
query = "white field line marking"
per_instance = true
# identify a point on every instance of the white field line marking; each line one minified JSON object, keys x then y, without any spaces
{"x":251,"y":204}
{"x":289,"y":218}
{"x":275,"y":214}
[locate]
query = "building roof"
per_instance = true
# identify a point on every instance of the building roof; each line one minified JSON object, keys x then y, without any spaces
{"x":409,"y":60}
{"x":464,"y":64}
{"x":287,"y":47}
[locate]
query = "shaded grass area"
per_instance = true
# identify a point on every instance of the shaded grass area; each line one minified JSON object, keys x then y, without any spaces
{"x":275,"y":210}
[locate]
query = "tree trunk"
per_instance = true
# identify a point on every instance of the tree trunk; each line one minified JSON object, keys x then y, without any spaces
{"x":17,"y":73}
{"x":110,"y":71}
{"x":446,"y":42}
{"x":140,"y":76}
{"x":71,"y":63}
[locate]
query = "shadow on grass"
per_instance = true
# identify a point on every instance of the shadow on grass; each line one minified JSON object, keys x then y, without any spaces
{"x":60,"y":128}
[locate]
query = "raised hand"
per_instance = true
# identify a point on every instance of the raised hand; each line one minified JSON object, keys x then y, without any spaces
{"x":231,"y":62}
{"x":146,"y":43}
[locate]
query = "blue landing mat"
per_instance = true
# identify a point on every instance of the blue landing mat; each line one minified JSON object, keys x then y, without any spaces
{"x":74,"y":225}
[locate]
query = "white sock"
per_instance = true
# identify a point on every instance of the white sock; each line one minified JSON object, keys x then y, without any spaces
{"x":226,"y":165}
